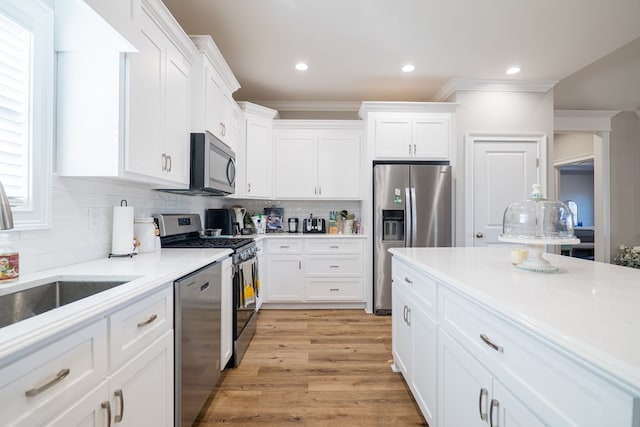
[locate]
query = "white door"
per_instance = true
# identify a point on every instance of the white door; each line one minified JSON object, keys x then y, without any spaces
{"x":295,"y":163}
{"x":504,"y":169}
{"x":339,"y":166}
{"x":464,"y":385}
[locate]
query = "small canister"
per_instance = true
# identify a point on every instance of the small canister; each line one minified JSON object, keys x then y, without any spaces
{"x":145,"y":232}
{"x":293,"y":225}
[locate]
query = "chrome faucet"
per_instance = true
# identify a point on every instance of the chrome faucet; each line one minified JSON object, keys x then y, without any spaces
{"x":6,"y":218}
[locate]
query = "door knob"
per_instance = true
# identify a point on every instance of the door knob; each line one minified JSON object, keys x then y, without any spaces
{"x":479,"y":235}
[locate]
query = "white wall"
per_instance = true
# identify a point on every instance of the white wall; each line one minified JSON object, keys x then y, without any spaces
{"x":625,"y":179}
{"x":499,"y":113}
{"x":578,"y":186}
{"x":570,"y":146}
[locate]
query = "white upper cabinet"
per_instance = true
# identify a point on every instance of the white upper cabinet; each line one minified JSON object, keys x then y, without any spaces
{"x":213,"y":84}
{"x":317,"y":159}
{"x":411,"y":131}
{"x":254,"y":162}
{"x":423,"y":136}
{"x":131,"y":117}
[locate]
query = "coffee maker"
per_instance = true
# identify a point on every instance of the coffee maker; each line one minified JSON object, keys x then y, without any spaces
{"x":239,"y":218}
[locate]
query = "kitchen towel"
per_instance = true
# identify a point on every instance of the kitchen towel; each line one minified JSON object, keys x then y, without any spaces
{"x":122,"y":236}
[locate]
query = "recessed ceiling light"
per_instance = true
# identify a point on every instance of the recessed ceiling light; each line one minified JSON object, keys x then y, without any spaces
{"x":513,"y":70}
{"x":408,"y":68}
{"x":301,"y":66}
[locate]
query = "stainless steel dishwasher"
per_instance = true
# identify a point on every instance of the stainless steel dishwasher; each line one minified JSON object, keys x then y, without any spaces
{"x":197,"y":340}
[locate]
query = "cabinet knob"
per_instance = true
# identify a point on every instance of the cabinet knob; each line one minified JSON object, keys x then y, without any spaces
{"x":479,"y":235}
{"x":409,"y":281}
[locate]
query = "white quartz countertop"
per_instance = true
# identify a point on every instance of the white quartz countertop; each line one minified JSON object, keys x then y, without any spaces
{"x":590,"y":309}
{"x":146,"y":272}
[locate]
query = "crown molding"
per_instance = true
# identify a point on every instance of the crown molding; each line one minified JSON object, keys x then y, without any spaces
{"x":456,"y":85}
{"x":406,"y":107}
{"x":583,"y":120}
{"x":311,"y":105}
{"x":208,"y":48}
{"x":259,"y":110}
{"x":318,"y":124}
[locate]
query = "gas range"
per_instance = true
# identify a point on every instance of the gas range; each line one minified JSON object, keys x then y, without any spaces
{"x":183,"y":231}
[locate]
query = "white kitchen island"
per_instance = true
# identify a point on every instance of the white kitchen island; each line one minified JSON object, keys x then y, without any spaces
{"x":483,"y":343}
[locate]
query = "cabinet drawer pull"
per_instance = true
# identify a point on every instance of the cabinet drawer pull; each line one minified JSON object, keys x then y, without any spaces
{"x":409,"y":148}
{"x":404,"y":314}
{"x":334,"y":289}
{"x":408,"y":316}
{"x":149,"y":320}
{"x":120,"y":395}
{"x":106,"y":405}
{"x":55,"y":380}
{"x":284,"y":247}
{"x":495,"y":404}
{"x":409,"y":281}
{"x":484,"y":393}
{"x":334,"y":266}
{"x":334,"y":247}
{"x":488,"y":342}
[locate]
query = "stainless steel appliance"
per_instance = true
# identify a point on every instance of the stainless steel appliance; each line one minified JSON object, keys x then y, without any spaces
{"x":197,"y":340}
{"x":212,"y":167}
{"x":412,"y":207}
{"x":314,"y":225}
{"x":221,"y":218}
{"x":183,"y":231}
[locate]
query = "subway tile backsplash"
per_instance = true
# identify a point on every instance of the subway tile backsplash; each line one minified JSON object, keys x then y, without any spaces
{"x":83,"y":209}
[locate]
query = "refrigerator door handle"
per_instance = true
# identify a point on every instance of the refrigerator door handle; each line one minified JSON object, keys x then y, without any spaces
{"x":408,"y":218}
{"x":414,"y":216}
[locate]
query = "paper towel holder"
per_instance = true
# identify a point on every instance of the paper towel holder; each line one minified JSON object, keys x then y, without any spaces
{"x":134,"y":243}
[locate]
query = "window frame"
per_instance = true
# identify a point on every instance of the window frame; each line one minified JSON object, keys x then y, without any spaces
{"x":37,"y":16}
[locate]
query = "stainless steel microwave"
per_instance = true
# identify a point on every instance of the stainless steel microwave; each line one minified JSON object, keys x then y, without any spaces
{"x":212,"y":167}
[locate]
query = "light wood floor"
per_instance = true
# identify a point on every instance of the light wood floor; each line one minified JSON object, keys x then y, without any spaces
{"x":314,"y":368}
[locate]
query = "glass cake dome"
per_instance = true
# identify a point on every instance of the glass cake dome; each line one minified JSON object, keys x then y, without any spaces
{"x":537,"y":222}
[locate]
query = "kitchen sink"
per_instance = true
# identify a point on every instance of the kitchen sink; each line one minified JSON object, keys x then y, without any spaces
{"x":39,"y":299}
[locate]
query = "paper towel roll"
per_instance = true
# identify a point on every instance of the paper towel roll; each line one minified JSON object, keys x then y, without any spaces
{"x":122,"y":236}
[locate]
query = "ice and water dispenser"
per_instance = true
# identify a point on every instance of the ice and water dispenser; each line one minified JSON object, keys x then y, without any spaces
{"x":392,"y":225}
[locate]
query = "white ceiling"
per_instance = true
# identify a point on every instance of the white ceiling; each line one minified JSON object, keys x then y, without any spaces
{"x":355,"y":48}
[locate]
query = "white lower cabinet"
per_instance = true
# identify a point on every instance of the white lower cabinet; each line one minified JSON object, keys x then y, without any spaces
{"x":314,"y":270}
{"x":414,"y":338}
{"x":89,"y":374}
{"x":141,"y":392}
{"x":285,"y":278}
{"x":92,"y":410}
{"x":226,"y":313}
{"x":471,"y":396}
{"x":488,"y":371}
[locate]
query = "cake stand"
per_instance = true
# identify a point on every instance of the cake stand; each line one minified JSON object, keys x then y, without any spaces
{"x":535,"y":261}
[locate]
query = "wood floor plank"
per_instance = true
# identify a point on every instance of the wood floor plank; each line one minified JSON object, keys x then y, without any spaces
{"x":314,"y":368}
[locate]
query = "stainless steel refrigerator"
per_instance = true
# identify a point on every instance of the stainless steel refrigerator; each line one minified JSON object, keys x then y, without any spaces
{"x":411,"y":208}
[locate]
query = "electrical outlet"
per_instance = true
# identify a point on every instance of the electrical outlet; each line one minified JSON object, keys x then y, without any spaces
{"x":94,"y":218}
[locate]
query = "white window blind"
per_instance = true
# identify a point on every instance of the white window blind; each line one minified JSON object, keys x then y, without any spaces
{"x":16,"y":63}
